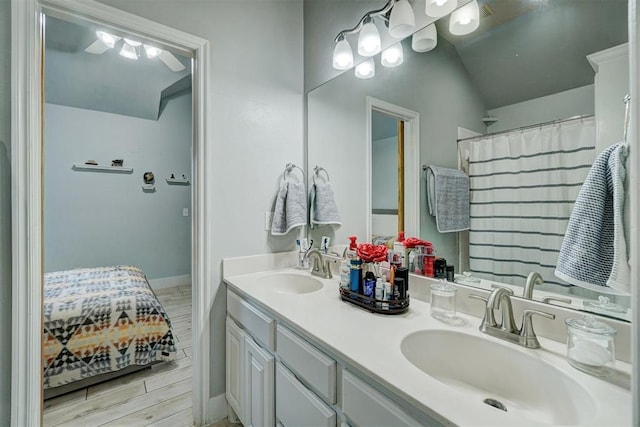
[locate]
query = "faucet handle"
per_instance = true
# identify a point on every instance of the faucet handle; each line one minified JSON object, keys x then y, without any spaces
{"x":527,"y":332}
{"x":547,"y":300}
{"x":474,"y":296}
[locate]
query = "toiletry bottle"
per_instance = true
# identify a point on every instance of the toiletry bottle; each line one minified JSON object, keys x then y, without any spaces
{"x":399,"y":249}
{"x":387,"y":295}
{"x":403,"y":273}
{"x":379,"y":292}
{"x":345,"y":274}
{"x":351,"y":252}
{"x":356,"y":276}
{"x":450,"y":273}
{"x":440,"y":268}
{"x":369,"y":284}
{"x":399,"y":290}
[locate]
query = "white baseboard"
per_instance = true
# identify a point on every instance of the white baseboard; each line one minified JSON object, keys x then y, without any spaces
{"x":217,"y":408}
{"x":169,"y":282}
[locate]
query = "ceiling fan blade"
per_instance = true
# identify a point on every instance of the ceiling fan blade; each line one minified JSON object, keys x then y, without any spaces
{"x":171,"y":61}
{"x":97,"y":48}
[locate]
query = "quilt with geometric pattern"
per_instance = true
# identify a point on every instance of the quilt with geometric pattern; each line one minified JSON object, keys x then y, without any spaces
{"x":99,"y":320}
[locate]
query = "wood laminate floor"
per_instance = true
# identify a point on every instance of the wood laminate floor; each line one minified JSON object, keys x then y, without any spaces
{"x":160,"y":396}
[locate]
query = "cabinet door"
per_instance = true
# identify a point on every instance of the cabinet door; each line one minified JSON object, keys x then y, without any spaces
{"x":235,"y":378}
{"x":298,"y":406}
{"x":259,"y":386}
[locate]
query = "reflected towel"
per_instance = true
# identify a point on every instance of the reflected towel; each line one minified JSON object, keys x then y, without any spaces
{"x":594,"y":251}
{"x":324,"y":210}
{"x":290,"y":208}
{"x":448,"y":198}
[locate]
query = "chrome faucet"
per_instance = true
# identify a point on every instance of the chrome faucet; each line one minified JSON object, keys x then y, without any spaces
{"x":534,"y":278}
{"x":318,"y":266}
{"x":500,"y":298}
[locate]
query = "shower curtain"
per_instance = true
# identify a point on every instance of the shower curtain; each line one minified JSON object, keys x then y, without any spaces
{"x":523,"y":185}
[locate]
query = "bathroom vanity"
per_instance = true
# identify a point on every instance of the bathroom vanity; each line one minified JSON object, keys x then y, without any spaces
{"x":296,"y":354}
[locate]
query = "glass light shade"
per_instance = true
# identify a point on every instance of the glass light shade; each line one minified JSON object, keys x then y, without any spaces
{"x":426,"y":39}
{"x":402,"y":21}
{"x":369,"y":39}
{"x":132,"y":42}
{"x":109,"y":40}
{"x":392,"y":56}
{"x":128,"y":51}
{"x":465,"y":20}
{"x":440,"y":8}
{"x":151,"y":51}
{"x":342,"y":55}
{"x":366,"y":70}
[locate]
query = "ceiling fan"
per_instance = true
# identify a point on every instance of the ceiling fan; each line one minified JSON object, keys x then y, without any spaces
{"x":132,"y":49}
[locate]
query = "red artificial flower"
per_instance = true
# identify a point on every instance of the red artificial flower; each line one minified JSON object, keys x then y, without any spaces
{"x":372,"y":253}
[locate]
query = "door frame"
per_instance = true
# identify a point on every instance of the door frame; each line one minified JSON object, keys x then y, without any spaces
{"x":411,"y":163}
{"x":26,"y":194}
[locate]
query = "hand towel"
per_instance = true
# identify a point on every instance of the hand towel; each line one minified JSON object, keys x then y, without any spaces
{"x":324,"y":210}
{"x":448,"y":198}
{"x":594,"y":251}
{"x":291,"y":207}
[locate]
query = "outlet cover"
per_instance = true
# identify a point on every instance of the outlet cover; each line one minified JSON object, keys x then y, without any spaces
{"x":268,"y":220}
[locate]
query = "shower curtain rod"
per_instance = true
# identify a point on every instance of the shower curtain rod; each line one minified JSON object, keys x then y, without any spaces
{"x":551,"y":122}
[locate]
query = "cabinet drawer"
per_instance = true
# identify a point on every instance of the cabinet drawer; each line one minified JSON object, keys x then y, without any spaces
{"x":366,"y":406}
{"x":258,"y":324}
{"x":296,"y":405}
{"x":308,"y":363}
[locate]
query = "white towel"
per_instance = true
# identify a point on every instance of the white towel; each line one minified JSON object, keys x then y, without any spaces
{"x":290,"y":208}
{"x":448,"y":198}
{"x":594,"y":251}
{"x":324,"y":210}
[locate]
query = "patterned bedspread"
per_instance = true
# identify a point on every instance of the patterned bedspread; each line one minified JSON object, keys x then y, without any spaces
{"x":99,"y":320}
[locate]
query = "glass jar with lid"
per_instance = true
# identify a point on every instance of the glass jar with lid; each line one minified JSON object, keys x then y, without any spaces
{"x":590,"y":345}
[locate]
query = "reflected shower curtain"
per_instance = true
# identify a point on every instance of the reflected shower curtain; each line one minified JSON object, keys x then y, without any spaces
{"x":523,"y":185}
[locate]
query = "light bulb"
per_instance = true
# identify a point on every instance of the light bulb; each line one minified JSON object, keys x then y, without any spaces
{"x":151,"y":51}
{"x":342,"y":55}
{"x":108,"y":39}
{"x":440,"y":8}
{"x":366,"y":70}
{"x":426,"y":39}
{"x":392,"y":56}
{"x":402,"y":20}
{"x":369,"y":39}
{"x":465,"y":20}
{"x":128,"y":51}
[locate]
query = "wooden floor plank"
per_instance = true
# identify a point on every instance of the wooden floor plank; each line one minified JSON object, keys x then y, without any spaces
{"x":73,"y":398}
{"x":154,"y":413}
{"x":183,"y":418}
{"x":174,"y":376}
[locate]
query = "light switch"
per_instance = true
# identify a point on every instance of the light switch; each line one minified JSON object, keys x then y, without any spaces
{"x":185,"y":211}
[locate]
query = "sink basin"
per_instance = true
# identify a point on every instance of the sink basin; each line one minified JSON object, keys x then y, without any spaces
{"x":486,"y":371}
{"x":291,"y":283}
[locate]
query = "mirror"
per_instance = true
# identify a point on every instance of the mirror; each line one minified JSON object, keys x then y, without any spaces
{"x":526,"y":65}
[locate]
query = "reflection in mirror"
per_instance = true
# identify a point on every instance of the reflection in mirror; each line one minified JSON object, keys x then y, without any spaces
{"x":528,"y":63}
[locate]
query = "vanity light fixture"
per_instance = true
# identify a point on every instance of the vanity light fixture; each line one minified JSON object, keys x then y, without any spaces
{"x":402,"y":21}
{"x":439,"y":8}
{"x":426,"y":39}
{"x":342,"y":54}
{"x":108,"y":39}
{"x":465,"y":20}
{"x":151,"y":51}
{"x":392,"y":56}
{"x":366,"y":70}
{"x":369,"y":39}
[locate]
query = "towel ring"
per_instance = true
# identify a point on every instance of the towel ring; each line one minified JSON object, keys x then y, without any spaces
{"x":292,"y":166}
{"x":317,"y":170}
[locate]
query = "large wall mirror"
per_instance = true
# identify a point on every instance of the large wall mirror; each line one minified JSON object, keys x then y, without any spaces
{"x":530,"y":64}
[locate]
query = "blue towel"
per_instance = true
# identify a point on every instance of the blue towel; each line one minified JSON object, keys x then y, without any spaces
{"x":594,"y":251}
{"x":448,"y":198}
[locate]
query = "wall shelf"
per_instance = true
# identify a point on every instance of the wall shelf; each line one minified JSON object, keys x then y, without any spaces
{"x":148,"y":188}
{"x":99,"y":168}
{"x":176,"y":181}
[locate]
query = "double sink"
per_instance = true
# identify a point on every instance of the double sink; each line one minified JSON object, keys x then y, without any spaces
{"x":520,"y":385}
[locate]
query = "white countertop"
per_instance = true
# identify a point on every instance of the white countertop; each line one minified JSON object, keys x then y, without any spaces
{"x":372,"y":343}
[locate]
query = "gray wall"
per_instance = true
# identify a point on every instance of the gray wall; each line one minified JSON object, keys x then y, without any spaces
{"x":5,"y":211}
{"x":436,"y":85}
{"x":384,"y":173}
{"x":257,"y":113}
{"x":101,"y":218}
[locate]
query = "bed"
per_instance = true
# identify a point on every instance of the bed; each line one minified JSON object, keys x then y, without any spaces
{"x":100,"y":321}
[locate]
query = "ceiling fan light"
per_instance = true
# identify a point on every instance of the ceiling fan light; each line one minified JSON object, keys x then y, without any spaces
{"x":392,"y":56}
{"x":128,"y":51}
{"x":440,"y":8}
{"x":151,"y":51}
{"x":465,"y":20}
{"x":426,"y":39}
{"x":342,"y":55}
{"x":108,"y":39}
{"x":369,"y":39}
{"x":366,"y":70}
{"x":132,"y":43}
{"x":402,"y":21}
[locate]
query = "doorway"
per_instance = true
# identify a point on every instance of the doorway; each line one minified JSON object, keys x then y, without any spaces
{"x":27,"y":206}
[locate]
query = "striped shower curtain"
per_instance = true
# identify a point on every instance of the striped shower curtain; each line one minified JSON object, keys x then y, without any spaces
{"x":523,"y":186}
